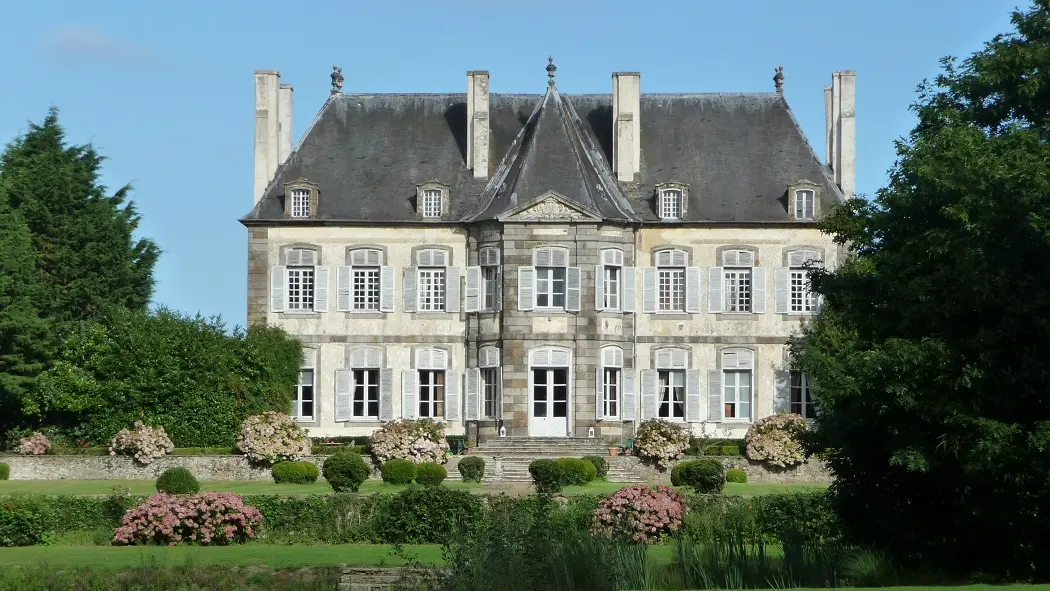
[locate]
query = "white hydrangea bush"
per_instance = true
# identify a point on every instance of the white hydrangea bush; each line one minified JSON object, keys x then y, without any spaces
{"x":777,"y":440}
{"x":661,"y":442}
{"x":272,"y":437}
{"x":143,"y":443}
{"x":417,"y":441}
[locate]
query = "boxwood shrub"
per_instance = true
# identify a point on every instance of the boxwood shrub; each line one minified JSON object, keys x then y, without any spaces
{"x":346,"y":472}
{"x":426,"y":515}
{"x":736,"y":475}
{"x":399,"y":472}
{"x":295,"y":472}
{"x":178,"y":481}
{"x":430,"y":474}
{"x":576,"y":471}
{"x":601,"y":466}
{"x":471,"y":468}
{"x":547,"y":475}
{"x":704,"y":476}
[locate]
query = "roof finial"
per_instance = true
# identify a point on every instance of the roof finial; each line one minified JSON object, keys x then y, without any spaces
{"x":337,"y":80}
{"x":778,"y":79}
{"x":551,"y":69}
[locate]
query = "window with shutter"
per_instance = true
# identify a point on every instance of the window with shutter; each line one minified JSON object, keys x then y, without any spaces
{"x":434,"y":284}
{"x":488,"y":279}
{"x":737,"y":380}
{"x":670,"y":287}
{"x":360,"y":284}
{"x":365,"y":388}
{"x":300,"y":287}
{"x":798,"y":297}
{"x":671,"y":365}
{"x":609,"y":383}
{"x":557,"y":286}
{"x":304,"y":395}
{"x":738,"y":281}
{"x":608,"y":280}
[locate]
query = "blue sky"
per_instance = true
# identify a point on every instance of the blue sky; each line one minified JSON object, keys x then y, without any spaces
{"x":165,"y":89}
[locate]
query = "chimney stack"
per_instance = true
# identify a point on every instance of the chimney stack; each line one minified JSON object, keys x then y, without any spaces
{"x":840,"y":113}
{"x":478,"y":123}
{"x":267,"y":128}
{"x":627,"y":101}
{"x":284,"y":109}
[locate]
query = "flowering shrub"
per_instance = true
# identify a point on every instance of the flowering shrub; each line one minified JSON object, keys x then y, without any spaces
{"x":36,"y":444}
{"x":777,"y":440}
{"x":417,"y":441}
{"x":661,"y":442}
{"x":272,"y":437}
{"x":144,"y":443}
{"x":210,"y":518}
{"x":641,"y":513}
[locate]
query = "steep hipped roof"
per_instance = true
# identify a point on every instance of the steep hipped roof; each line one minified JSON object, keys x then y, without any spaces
{"x":737,"y":152}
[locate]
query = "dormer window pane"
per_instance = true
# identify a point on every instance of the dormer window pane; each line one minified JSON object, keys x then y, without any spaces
{"x":803,"y":205}
{"x":432,"y":203}
{"x":671,"y":204}
{"x":300,"y":203}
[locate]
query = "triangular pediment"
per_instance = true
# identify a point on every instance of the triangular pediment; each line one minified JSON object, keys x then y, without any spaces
{"x":549,"y":207}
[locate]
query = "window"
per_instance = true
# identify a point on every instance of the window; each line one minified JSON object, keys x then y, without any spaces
{"x":737,"y":266}
{"x":611,"y":383}
{"x":431,"y":393}
{"x":432,"y":388}
{"x":483,"y":386}
{"x":304,"y":395}
{"x":363,"y":389}
{"x":803,"y":301}
{"x":490,"y":392}
{"x":549,"y":284}
{"x":670,"y":277}
{"x":612,"y":269}
{"x":489,"y":258}
{"x":431,"y":286}
{"x":671,"y":394}
{"x":300,"y":203}
{"x":432,"y":203}
{"x":737,"y":370}
{"x":364,"y":403}
{"x":671,"y":204}
{"x":801,"y":396}
{"x":432,"y":290}
{"x":804,"y":204}
{"x":300,"y":280}
{"x":550,"y":287}
{"x":365,"y":279}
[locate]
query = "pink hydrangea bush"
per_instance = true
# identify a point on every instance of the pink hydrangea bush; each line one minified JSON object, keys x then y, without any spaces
{"x":272,"y":437}
{"x":661,"y":442}
{"x":213,"y":518}
{"x":777,"y":440}
{"x":144,"y":443}
{"x":640,"y":513}
{"x":37,"y":444}
{"x":417,"y":441}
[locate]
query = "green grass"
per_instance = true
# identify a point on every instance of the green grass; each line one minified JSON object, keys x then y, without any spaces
{"x":732,"y":488}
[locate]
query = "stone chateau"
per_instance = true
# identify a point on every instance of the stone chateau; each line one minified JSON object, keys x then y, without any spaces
{"x":550,"y":264}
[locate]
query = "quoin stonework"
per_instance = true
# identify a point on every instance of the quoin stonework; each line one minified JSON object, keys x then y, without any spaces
{"x":546,"y":264}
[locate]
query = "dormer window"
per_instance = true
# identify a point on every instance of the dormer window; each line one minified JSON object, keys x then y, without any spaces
{"x":432,"y":200}
{"x":300,"y":203}
{"x":671,"y":201}
{"x":804,"y":204}
{"x":300,"y":198}
{"x":803,"y":201}
{"x":432,"y":203}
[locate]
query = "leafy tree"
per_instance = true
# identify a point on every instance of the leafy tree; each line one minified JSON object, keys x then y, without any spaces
{"x":931,"y":357}
{"x":86,"y":258}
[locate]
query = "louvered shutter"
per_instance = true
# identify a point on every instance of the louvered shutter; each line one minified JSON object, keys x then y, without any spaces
{"x":714,"y":396}
{"x":452,"y":395}
{"x":559,"y":358}
{"x":386,"y":289}
{"x":359,"y":358}
{"x":715,"y":287}
{"x":452,"y":289}
{"x":386,"y":395}
{"x":663,"y":359}
{"x":692,"y":290}
{"x":572,"y":289}
{"x":628,"y":290}
{"x":526,"y":288}
{"x":342,"y":288}
{"x":409,"y":289}
{"x":559,"y":257}
{"x":693,"y":399}
{"x":599,"y":407}
{"x":342,"y":395}
{"x":679,"y":358}
{"x":499,"y":393}
{"x":782,"y":392}
{"x":758,"y":290}
{"x":409,"y":393}
{"x":472,"y":297}
{"x":649,"y":401}
{"x":649,"y":290}
{"x":541,"y":357}
{"x":473,"y":396}
{"x":627,"y":405}
{"x":599,"y":287}
{"x":278,"y":275}
{"x":781,"y":290}
{"x":320,"y":289}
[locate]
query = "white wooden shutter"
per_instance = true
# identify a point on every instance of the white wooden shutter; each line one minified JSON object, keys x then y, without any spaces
{"x":627,"y":290}
{"x":409,"y":393}
{"x":320,"y":289}
{"x":342,"y":395}
{"x":758,"y":290}
{"x":452,"y":289}
{"x":599,"y":287}
{"x":572,"y":289}
{"x":679,"y":358}
{"x":409,"y":289}
{"x":692,"y":290}
{"x":649,"y":290}
{"x":599,"y":408}
{"x":499,"y":393}
{"x":386,"y":395}
{"x":715,"y":286}
{"x":649,"y":386}
{"x":526,"y":288}
{"x":386,"y":289}
{"x":343,"y":288}
{"x":693,"y":400}
{"x":782,"y":290}
{"x":559,"y":358}
{"x":451,"y":395}
{"x":473,"y":395}
{"x":627,"y":404}
{"x":278,"y":275}
{"x":559,"y":257}
{"x":472,"y":297}
{"x":714,"y":396}
{"x":782,"y":392}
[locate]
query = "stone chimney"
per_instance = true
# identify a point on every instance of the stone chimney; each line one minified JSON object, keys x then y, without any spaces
{"x":284,"y":109}
{"x":627,"y":102}
{"x":267,"y":128}
{"x":478,"y":123}
{"x":840,"y":114}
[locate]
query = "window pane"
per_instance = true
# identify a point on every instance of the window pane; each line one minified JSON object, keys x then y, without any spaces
{"x":432,"y":290}
{"x":612,"y":288}
{"x":489,"y":280}
{"x":300,"y":288}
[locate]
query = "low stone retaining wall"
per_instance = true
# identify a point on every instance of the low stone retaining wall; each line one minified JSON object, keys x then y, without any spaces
{"x":811,"y":472}
{"x":375,"y":578}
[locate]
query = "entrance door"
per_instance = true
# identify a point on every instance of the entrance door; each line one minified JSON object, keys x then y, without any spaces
{"x":550,"y":402}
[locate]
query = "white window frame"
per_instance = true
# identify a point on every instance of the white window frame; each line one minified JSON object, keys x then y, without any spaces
{"x":805,"y":204}
{"x":612,"y":393}
{"x":612,"y":279}
{"x":671,"y":204}
{"x":671,"y":263}
{"x":665,"y":382}
{"x":436,"y":391}
{"x":432,"y":203}
{"x":300,"y":203}
{"x":361,"y":298}
{"x":431,"y":296}
{"x":490,"y":385}
{"x":299,"y":399}
{"x":366,"y":388}
{"x":802,"y":300}
{"x":739,"y":363}
{"x":807,"y":406}
{"x":738,"y":275}
{"x":305,"y":281}
{"x":546,"y":280}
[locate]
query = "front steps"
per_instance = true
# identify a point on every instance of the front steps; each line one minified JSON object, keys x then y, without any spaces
{"x":507,"y":459}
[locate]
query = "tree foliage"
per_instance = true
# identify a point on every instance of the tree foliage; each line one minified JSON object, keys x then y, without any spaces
{"x":931,"y":357}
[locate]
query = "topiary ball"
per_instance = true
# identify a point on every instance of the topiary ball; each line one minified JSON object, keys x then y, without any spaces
{"x":547,"y":475}
{"x":471,"y":468}
{"x":399,"y":472}
{"x":295,"y":473}
{"x":178,"y":481}
{"x":601,"y":466}
{"x":430,"y":474}
{"x":345,"y":471}
{"x":736,"y":475}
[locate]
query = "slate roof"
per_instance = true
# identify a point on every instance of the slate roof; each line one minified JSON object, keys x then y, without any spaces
{"x":737,"y":153}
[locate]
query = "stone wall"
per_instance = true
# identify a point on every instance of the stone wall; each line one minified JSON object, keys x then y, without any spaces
{"x":811,"y":472}
{"x":376,"y":578}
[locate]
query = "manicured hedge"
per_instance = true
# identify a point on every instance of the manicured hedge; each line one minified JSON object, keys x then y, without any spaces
{"x":471,"y":468}
{"x":178,"y":481}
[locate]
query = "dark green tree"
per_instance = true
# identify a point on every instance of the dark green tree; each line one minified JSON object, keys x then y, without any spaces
{"x":86,"y":257}
{"x":931,"y":357}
